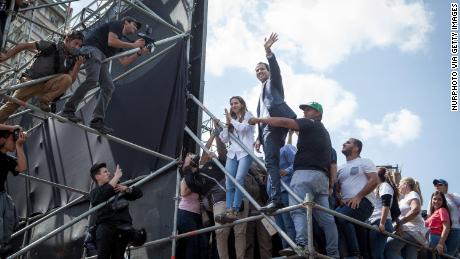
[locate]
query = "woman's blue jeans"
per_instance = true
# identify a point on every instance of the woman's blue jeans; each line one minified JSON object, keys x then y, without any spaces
{"x":238,"y":169}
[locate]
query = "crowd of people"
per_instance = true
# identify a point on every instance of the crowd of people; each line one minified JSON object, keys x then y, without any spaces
{"x":357,"y":189}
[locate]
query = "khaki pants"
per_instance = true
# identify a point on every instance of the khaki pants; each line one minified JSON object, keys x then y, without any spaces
{"x":239,"y":230}
{"x":46,"y":91}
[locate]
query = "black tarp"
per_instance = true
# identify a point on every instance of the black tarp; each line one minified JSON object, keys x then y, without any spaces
{"x":148,"y":109}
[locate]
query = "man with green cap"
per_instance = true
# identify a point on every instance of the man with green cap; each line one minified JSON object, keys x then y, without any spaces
{"x":311,"y":175}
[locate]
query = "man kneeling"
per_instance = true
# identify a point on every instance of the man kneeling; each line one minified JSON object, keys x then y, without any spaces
{"x":52,"y":58}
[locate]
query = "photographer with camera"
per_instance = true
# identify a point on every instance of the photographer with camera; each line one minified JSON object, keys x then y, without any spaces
{"x":103,"y":42}
{"x":52,"y":58}
{"x":12,"y":138}
{"x":114,"y":229}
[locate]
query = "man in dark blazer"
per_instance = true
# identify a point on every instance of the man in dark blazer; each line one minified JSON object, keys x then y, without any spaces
{"x":272,"y":104}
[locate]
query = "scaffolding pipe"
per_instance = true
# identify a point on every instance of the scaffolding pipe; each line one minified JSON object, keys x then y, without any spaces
{"x":61,"y":186}
{"x":82,"y":216}
{"x":309,"y":205}
{"x":45,"y":5}
{"x":27,"y":84}
{"x":212,"y":228}
{"x":7,"y":24}
{"x":47,"y":216}
{"x":151,"y":14}
{"x":6,"y":71}
{"x":132,"y":51}
{"x":39,"y":24}
{"x":88,"y":129}
{"x":176,"y":208}
{"x":143,"y":63}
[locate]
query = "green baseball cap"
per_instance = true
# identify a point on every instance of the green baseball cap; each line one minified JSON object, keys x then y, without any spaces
{"x":313,"y":105}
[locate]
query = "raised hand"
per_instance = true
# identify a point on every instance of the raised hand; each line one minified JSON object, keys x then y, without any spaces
{"x":269,"y":42}
{"x":139,"y":43}
{"x":118,"y":172}
{"x":227,"y":116}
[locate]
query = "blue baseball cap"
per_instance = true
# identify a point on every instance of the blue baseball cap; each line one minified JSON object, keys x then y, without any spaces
{"x":440,"y":181}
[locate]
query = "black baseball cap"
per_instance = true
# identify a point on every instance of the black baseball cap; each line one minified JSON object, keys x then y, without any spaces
{"x":131,"y":19}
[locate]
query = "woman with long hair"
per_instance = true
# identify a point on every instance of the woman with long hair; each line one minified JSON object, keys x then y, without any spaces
{"x":238,"y":160}
{"x":438,"y":223}
{"x":410,"y":224}
{"x":381,"y":216}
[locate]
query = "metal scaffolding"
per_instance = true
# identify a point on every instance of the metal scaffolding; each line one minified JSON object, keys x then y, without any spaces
{"x":74,"y":22}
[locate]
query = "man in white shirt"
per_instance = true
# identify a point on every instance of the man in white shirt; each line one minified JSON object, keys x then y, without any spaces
{"x":356,"y":181}
{"x":453,"y":202}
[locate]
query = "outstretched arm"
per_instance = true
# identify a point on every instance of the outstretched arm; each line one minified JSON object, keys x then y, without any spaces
{"x":275,"y":73}
{"x":276,"y":122}
{"x":16,"y":49}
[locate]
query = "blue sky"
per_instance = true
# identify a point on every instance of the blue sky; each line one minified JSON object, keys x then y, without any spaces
{"x":380,"y":68}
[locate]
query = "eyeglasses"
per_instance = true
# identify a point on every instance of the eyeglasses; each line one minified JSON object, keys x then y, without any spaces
{"x":439,"y":184}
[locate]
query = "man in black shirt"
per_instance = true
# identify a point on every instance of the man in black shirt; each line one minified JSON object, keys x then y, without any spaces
{"x":312,"y":164}
{"x":53,"y":58}
{"x":113,"y":219}
{"x":103,"y":42}
{"x":11,"y":139}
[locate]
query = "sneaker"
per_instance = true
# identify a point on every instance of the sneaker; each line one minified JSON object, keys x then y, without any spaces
{"x":71,"y":117}
{"x":230,"y":216}
{"x":44,"y":107}
{"x":99,"y":125}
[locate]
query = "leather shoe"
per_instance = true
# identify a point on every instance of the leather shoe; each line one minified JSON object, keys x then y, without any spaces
{"x":271,"y":207}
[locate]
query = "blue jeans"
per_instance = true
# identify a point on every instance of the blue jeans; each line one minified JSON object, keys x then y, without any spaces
{"x":397,"y":249}
{"x":96,"y":72}
{"x":315,"y":183}
{"x":377,"y":241}
{"x":238,"y":169}
{"x":284,"y":221}
{"x":273,"y":140}
{"x":453,"y":241}
{"x":433,"y":240}
{"x":355,"y":236}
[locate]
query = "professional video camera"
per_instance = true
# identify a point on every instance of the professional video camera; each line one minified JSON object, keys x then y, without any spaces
{"x":149,"y":41}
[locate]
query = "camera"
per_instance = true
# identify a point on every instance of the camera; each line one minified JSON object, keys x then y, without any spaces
{"x":149,"y":41}
{"x":72,"y":58}
{"x":16,"y":133}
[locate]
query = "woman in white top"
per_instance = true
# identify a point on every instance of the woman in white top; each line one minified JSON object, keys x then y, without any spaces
{"x":381,"y":216}
{"x":410,"y":225}
{"x":238,"y":160}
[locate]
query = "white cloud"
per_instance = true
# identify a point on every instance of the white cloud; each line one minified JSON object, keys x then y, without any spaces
{"x":339,"y":104}
{"x":320,"y":34}
{"x":398,"y":128}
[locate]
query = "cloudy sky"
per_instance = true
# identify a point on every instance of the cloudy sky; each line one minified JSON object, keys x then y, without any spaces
{"x":380,"y":68}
